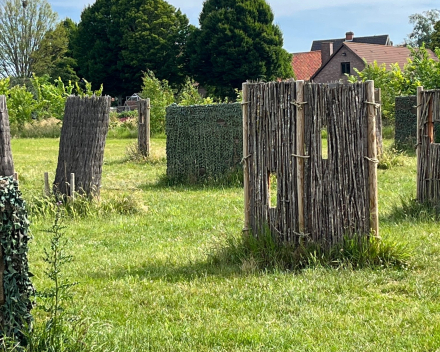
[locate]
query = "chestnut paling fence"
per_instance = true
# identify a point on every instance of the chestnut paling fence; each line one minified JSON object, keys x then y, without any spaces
{"x":428,"y":152}
{"x":319,"y":197}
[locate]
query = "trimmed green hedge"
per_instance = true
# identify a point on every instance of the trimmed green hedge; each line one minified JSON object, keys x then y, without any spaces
{"x":406,"y":121}
{"x":203,"y":141}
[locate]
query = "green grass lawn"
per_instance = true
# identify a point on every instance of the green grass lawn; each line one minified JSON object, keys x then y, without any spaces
{"x":147,"y":281}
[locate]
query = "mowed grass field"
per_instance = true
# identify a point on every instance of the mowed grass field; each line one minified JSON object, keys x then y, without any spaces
{"x":147,"y":281}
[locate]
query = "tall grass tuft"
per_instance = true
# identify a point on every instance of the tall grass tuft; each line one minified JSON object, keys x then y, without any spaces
{"x":124,"y":203}
{"x":411,"y":208}
{"x":265,"y":252}
{"x":390,"y":158}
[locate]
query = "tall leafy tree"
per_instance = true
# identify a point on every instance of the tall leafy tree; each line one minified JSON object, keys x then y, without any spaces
{"x":23,"y":25}
{"x":435,"y":38}
{"x":54,"y":56}
{"x":117,"y":40}
{"x":237,"y":41}
{"x":423,"y":28}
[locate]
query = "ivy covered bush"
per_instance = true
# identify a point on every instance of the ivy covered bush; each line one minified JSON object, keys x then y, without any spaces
{"x":18,"y":291}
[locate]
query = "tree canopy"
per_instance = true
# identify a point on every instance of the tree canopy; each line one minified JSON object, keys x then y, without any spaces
{"x":23,"y":26}
{"x":54,"y":56}
{"x":117,"y":40}
{"x":435,"y":38}
{"x":236,"y":41}
{"x":423,"y":28}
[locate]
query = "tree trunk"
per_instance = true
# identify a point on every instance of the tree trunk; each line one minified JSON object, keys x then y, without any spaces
{"x":82,"y":143}
{"x":6,"y":164}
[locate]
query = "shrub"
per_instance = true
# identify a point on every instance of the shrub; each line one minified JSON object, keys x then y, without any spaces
{"x":161,"y":95}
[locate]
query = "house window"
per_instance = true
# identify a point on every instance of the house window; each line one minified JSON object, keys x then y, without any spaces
{"x":345,"y":67}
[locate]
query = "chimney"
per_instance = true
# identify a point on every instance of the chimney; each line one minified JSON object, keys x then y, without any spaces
{"x":349,"y":36}
{"x":326,"y":51}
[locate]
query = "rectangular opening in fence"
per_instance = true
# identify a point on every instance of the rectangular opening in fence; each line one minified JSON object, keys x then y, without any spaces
{"x":436,"y":126}
{"x":273,"y":189}
{"x":324,"y":143}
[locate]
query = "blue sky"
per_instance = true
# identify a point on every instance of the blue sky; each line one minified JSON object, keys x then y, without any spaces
{"x":306,"y":20}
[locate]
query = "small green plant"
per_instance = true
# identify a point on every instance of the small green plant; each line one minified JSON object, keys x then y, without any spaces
{"x":161,"y":95}
{"x":55,"y":297}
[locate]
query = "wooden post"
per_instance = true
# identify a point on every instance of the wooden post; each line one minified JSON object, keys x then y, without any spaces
{"x":144,"y":127}
{"x":419,"y":141}
{"x":72,"y":186}
{"x":300,"y":150}
{"x":46,"y":184}
{"x":245,"y":109}
{"x":378,"y":99}
{"x":16,"y":176}
{"x":372,"y":158}
{"x":147,"y":122}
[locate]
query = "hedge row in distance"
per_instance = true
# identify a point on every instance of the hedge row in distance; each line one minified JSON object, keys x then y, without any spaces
{"x":203,"y":141}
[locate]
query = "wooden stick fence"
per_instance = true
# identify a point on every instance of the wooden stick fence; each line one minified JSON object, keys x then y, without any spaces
{"x":428,"y":152}
{"x":319,"y":199}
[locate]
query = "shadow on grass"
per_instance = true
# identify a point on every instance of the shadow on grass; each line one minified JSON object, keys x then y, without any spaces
{"x":203,"y":185}
{"x":173,"y":273}
{"x":249,"y":255}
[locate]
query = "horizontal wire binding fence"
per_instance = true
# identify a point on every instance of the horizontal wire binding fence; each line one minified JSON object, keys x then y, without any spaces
{"x":428,"y":152}
{"x":203,"y":141}
{"x":321,"y":198}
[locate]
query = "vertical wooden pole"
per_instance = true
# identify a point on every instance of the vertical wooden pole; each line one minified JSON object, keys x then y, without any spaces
{"x":144,"y":127}
{"x":72,"y":186}
{"x":372,"y":156}
{"x":419,"y":143}
{"x":46,"y":184}
{"x":147,"y":122}
{"x":245,"y":110}
{"x":300,"y":150}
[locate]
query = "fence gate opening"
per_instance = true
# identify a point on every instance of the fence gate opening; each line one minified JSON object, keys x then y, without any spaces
{"x":428,"y":152}
{"x":323,"y":191}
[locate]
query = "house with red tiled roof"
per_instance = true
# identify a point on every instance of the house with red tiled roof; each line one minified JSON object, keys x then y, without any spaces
{"x":352,"y":55}
{"x":306,"y":64}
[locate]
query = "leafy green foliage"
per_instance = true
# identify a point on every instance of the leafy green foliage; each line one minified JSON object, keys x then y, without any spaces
{"x":15,"y":315}
{"x":421,"y":70}
{"x":42,"y":99}
{"x":189,"y":95}
{"x":161,"y":95}
{"x":117,"y":40}
{"x":424,"y":28}
{"x":435,"y":37}
{"x":236,"y":41}
{"x":52,"y":56}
